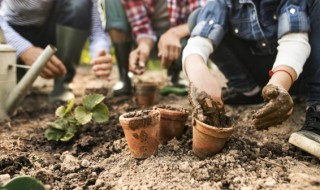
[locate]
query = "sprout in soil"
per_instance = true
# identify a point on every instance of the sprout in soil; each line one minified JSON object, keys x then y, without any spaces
{"x":68,"y":123}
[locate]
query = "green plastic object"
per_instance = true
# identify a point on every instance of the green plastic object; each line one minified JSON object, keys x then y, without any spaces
{"x":23,"y":183}
{"x":173,"y":90}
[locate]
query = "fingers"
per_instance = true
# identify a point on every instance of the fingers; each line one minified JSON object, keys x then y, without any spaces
{"x":53,"y":68}
{"x":102,"y":70}
{"x":277,"y":115}
{"x":168,"y":54}
{"x":265,"y":125}
{"x":266,"y":110}
{"x":105,"y":59}
{"x":137,"y":61}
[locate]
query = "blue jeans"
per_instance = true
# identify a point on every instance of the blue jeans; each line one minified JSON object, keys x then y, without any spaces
{"x":244,"y":69}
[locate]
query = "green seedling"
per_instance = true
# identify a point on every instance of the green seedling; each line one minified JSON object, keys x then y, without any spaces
{"x":68,"y":123}
{"x":23,"y":183}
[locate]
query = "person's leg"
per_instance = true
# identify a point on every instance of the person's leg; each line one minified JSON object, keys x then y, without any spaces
{"x":308,"y":137}
{"x":71,"y":24}
{"x":119,"y":30}
{"x":246,"y":72}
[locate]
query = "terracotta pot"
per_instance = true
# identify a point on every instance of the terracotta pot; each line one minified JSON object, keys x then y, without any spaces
{"x":172,"y":124}
{"x":208,"y":140}
{"x":147,"y":93}
{"x":142,"y":133}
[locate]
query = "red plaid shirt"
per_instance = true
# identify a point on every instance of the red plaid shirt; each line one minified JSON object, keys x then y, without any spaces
{"x":138,"y":10}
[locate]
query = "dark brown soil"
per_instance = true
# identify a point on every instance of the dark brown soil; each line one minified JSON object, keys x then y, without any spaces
{"x":98,"y":158}
{"x":137,"y":114}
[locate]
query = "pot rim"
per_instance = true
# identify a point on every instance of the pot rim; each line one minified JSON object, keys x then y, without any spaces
{"x":153,"y":115}
{"x":213,"y":130}
{"x":172,"y":114}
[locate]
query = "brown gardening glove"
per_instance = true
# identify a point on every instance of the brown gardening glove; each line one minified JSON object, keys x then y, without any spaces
{"x":205,"y":109}
{"x":279,"y":106}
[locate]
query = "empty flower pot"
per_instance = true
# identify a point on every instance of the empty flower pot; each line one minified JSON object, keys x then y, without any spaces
{"x":147,"y":93}
{"x":172,"y":123}
{"x":141,"y":129}
{"x":209,"y":140}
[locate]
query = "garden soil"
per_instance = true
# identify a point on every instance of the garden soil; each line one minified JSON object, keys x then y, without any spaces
{"x":99,"y":158}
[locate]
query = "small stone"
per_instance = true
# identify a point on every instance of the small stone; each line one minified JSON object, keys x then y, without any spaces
{"x":270,"y":182}
{"x":47,"y":187}
{"x":70,"y":164}
{"x":85,"y":163}
{"x":185,"y":167}
{"x":4,"y":179}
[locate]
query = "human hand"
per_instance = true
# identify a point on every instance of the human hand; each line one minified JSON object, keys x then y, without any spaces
{"x":102,"y":64}
{"x":169,"y":48}
{"x":139,"y":57}
{"x":278,"y":108}
{"x":53,"y":68}
{"x":206,"y":109}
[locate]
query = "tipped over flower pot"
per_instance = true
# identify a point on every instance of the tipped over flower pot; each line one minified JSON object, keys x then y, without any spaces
{"x":146,"y":93}
{"x":141,"y":129}
{"x":209,"y":140}
{"x":172,"y":122}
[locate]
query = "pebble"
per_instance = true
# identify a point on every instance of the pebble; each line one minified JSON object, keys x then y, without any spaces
{"x":185,"y":167}
{"x":85,"y":163}
{"x":270,"y":182}
{"x":4,"y":178}
{"x":70,"y":164}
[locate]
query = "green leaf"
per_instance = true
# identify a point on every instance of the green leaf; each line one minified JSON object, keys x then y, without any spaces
{"x":90,"y":101}
{"x":23,"y":183}
{"x":60,"y":111}
{"x":82,"y":115}
{"x":60,"y":124}
{"x":72,"y":130}
{"x":100,"y":113}
{"x":53,"y":134}
{"x":70,"y":105}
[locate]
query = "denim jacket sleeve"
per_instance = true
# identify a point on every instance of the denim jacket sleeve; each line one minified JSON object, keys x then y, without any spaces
{"x":293,"y":17}
{"x":212,"y":21}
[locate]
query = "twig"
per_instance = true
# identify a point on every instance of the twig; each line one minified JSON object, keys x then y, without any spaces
{"x":274,"y":163}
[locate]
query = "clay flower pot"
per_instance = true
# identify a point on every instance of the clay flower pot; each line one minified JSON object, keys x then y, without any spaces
{"x":209,"y":140}
{"x":147,"y":93}
{"x":141,"y":129}
{"x":172,"y":123}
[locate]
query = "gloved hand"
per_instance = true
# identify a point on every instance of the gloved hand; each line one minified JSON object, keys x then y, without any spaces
{"x":205,"y":109}
{"x":278,"y":108}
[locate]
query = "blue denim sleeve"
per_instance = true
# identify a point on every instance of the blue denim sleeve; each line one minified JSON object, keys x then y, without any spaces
{"x":293,"y":17}
{"x":212,"y":21}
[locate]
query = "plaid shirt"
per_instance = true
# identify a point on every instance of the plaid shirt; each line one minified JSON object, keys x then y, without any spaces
{"x":138,"y":12}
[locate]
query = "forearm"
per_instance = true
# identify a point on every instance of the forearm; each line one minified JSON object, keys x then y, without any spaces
{"x":293,"y":51}
{"x":146,"y":41}
{"x":282,"y":76}
{"x":98,"y":38}
{"x":13,"y":38}
{"x":201,"y":77}
{"x":181,"y":31}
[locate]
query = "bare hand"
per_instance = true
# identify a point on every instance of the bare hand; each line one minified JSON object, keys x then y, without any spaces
{"x":278,"y":108}
{"x":102,"y":64}
{"x":169,"y":48}
{"x":138,"y":59}
{"x":52,"y":69}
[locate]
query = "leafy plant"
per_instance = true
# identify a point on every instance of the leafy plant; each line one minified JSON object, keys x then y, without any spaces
{"x":68,"y":123}
{"x":23,"y":183}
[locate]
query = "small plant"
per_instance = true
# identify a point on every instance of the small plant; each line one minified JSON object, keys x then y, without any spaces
{"x":68,"y":123}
